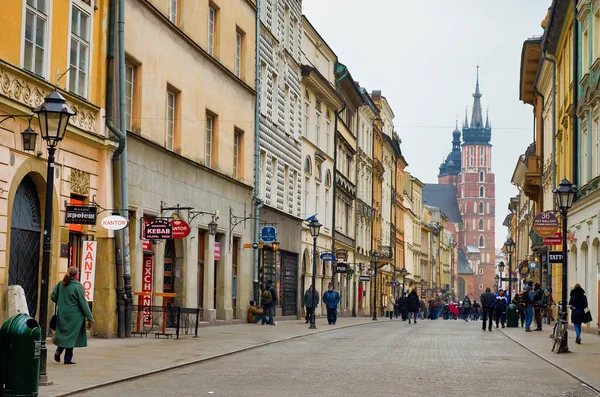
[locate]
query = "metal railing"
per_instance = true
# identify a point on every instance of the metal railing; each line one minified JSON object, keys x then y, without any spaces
{"x":164,"y":321}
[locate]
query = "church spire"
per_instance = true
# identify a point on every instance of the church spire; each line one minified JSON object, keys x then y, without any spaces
{"x":477,"y":117}
{"x":466,"y":123}
{"x":487,"y":118}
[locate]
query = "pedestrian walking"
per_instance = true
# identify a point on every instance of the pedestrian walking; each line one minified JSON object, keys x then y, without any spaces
{"x":71,"y":312}
{"x":412,"y":305}
{"x":476,"y":310}
{"x":466,"y":306}
{"x":488,"y":300}
{"x":390,"y":306}
{"x":266,"y":302}
{"x":274,"y":301}
{"x":538,"y":305}
{"x":580,"y":311}
{"x":397,"y":304}
{"x":308,"y":303}
{"x":528,"y":302}
{"x":519,"y":301}
{"x":549,"y":306}
{"x":331,"y":298}
{"x":500,"y":309}
{"x":403,"y":311}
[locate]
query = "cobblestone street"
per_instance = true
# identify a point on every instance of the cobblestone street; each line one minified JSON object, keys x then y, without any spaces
{"x":441,"y":358}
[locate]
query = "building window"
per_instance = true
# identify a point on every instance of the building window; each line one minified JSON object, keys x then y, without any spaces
{"x":170,"y":134}
{"x":326,"y":220}
{"x":481,"y":191}
{"x":597,"y":162}
{"x":481,"y":176}
{"x":286,"y":187}
{"x":481,"y":241}
{"x":208,"y":143}
{"x":328,"y":178}
{"x":319,"y":173}
{"x":129,"y":81}
{"x":237,"y":147}
{"x":489,"y":223}
{"x":318,"y":129}
{"x":263,"y":167}
{"x":317,"y":193}
{"x":80,"y":47}
{"x":308,"y":165}
{"x":480,"y":271}
{"x":327,"y":135}
{"x":481,"y":207}
{"x":212,"y":21}
{"x":481,"y":224}
{"x":173,"y":11}
{"x":481,"y":287}
{"x":306,"y":118}
{"x":239,"y":38}
{"x":287,"y":113}
{"x":306,"y":186}
{"x":36,"y":23}
{"x":273,"y":182}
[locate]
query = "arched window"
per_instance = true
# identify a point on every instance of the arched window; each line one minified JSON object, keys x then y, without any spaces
{"x":319,"y":174}
{"x":481,"y":224}
{"x":481,"y":191}
{"x":481,"y":241}
{"x":481,"y":207}
{"x":481,"y":175}
{"x":328,"y":178}
{"x":308,"y":165}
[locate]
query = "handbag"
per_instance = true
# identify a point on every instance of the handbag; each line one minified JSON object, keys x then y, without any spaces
{"x":587,"y":316}
{"x":54,"y":318}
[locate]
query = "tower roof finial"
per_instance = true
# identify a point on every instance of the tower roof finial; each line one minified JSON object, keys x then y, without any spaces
{"x":477,"y":117}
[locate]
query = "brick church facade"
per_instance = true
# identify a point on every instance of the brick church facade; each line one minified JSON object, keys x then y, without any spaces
{"x":469,"y":168}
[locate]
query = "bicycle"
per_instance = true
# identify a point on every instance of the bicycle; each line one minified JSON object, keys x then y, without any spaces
{"x":559,"y":331}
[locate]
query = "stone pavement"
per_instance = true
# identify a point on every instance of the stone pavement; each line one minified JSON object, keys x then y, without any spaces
{"x":105,"y":361}
{"x":583,"y":361}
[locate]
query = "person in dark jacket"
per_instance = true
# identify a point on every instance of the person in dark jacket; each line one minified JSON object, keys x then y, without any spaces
{"x":500,"y":310}
{"x":274,"y":301}
{"x":402,"y":306}
{"x":578,"y":303}
{"x":308,"y":303}
{"x":266,"y":302}
{"x":488,"y":300}
{"x":538,"y":299}
{"x":413,"y":304}
{"x":466,"y":308}
{"x":331,"y":298}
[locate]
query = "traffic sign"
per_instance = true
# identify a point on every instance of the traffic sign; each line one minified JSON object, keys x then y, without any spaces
{"x":254,"y":245}
{"x":545,"y":224}
{"x":268,"y":234}
{"x":327,"y":256}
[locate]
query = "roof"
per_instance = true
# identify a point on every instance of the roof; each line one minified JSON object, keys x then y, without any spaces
{"x":472,"y":248}
{"x":463,"y":263}
{"x":556,"y":19}
{"x":444,"y":198}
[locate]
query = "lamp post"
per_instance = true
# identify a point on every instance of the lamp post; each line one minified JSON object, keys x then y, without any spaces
{"x":564,"y":196}
{"x":501,"y":267}
{"x":53,"y":116}
{"x":497,"y":278}
{"x":509,"y":245}
{"x":375,"y":259}
{"x":314,"y":227}
{"x":404,"y":273}
{"x":422,"y":286}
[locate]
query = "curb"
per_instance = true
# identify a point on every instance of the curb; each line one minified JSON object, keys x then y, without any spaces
{"x":571,"y":374}
{"x":209,"y":358}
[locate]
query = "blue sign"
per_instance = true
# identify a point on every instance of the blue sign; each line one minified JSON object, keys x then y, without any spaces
{"x":255,"y":246}
{"x":327,"y":256}
{"x":268,"y":234}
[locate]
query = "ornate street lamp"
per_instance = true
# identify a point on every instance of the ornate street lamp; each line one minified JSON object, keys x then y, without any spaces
{"x":375,"y":259}
{"x":501,"y":267}
{"x":29,"y":137}
{"x":315,"y":228}
{"x":275,"y":245}
{"x":509,"y":246}
{"x":212,"y":228}
{"x":564,"y":196}
{"x":404,"y":273}
{"x":53,"y":116}
{"x":422,"y":285}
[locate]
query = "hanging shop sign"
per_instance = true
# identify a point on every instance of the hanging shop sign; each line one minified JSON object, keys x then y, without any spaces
{"x":341,"y":255}
{"x":147,"y":280}
{"x":146,"y":245}
{"x":555,"y":239}
{"x":556,"y":257}
{"x":327,"y":256}
{"x":158,"y":229}
{"x":364,"y":278}
{"x":114,"y":222}
{"x":217,"y":251}
{"x":341,"y":267}
{"x":80,"y":215}
{"x":88,"y":268}
{"x":545,"y":224}
{"x":180,"y":228}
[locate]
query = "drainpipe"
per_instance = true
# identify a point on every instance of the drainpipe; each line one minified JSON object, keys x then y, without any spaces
{"x":553,"y":155}
{"x":575,"y":126}
{"x":257,"y":202}
{"x":115,"y":169}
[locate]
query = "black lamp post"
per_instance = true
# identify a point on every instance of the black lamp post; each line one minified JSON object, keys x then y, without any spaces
{"x":53,"y":116}
{"x":501,"y":267}
{"x":564,"y":196}
{"x":422,"y":285}
{"x":314,"y":227}
{"x":404,"y":273}
{"x":509,"y":246}
{"x":375,"y":259}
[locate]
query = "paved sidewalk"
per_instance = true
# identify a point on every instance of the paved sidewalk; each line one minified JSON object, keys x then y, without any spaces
{"x":106,"y":361}
{"x":581,"y":363}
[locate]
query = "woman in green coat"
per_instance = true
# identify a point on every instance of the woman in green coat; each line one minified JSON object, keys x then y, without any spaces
{"x":72,"y":311}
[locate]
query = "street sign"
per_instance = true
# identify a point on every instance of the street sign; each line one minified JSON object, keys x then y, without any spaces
{"x":158,"y":229}
{"x":545,"y":224}
{"x":341,"y":254}
{"x":268,"y":234}
{"x":180,"y":228}
{"x":364,"y":278}
{"x":255,"y":246}
{"x":341,"y":267}
{"x":533,"y":265}
{"x":556,"y":257}
{"x":327,"y":256}
{"x":80,"y":215}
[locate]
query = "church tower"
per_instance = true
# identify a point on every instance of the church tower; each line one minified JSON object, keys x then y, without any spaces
{"x":451,"y":167}
{"x":476,"y":192}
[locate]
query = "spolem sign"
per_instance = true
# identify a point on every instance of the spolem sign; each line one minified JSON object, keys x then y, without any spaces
{"x":114,"y":222}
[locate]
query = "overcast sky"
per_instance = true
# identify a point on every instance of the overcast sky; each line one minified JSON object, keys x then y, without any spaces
{"x":423,"y":56}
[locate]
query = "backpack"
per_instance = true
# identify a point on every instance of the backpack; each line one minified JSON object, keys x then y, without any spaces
{"x":266,"y":298}
{"x":467,"y":304}
{"x":273,"y":292}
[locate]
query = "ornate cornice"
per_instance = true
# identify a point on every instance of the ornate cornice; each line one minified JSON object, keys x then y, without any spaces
{"x":29,"y":90}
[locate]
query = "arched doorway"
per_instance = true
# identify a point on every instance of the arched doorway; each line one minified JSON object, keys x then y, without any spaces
{"x":25,"y":239}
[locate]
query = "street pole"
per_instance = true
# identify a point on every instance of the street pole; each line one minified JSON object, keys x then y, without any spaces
{"x":46,"y":265}
{"x":501,"y":273}
{"x":509,"y":278}
{"x":375,"y":259}
{"x":314,"y":285}
{"x":564,"y":347}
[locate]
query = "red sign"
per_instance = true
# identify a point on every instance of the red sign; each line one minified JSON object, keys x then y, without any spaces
{"x":180,"y":228}
{"x":555,"y":239}
{"x":217,"y":251}
{"x":146,"y":245}
{"x":147,"y":280}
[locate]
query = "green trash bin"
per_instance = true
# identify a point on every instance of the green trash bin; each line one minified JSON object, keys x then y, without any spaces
{"x":20,"y":347}
{"x":512,"y":316}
